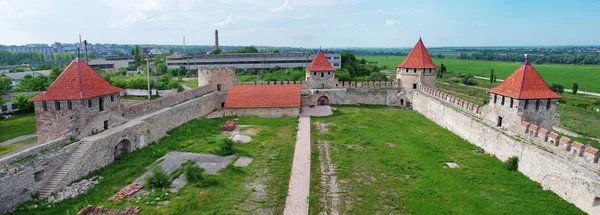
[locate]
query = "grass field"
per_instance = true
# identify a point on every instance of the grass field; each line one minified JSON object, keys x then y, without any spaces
{"x":390,"y":161}
{"x":21,"y":124}
{"x":190,"y":84}
{"x":272,"y":149}
{"x":12,"y":147}
{"x":585,"y":76}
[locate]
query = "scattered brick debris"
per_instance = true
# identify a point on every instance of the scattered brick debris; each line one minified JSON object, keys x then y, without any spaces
{"x":127,"y":191}
{"x":93,"y":210}
{"x":229,"y":126}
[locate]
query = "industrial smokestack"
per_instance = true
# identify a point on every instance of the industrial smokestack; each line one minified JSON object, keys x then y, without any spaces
{"x":216,"y":39}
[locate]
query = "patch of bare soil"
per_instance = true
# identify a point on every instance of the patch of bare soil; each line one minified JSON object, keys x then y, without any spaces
{"x":255,"y":202}
{"x":391,"y":145}
{"x":249,"y":131}
{"x":323,"y":128}
{"x":330,"y":191}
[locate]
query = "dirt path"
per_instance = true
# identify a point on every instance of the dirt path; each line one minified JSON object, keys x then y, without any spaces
{"x":17,"y":139}
{"x":331,"y":190}
{"x":299,"y":188}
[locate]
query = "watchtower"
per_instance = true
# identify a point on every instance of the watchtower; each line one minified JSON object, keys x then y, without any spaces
{"x":320,"y":74}
{"x":417,"y":68}
{"x":523,"y":96}
{"x":78,"y":103}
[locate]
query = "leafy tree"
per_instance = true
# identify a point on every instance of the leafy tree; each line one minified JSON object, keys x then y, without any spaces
{"x":182,"y":70}
{"x":575,"y":88}
{"x":161,"y":68}
{"x":441,"y":71}
{"x":122,"y":71}
{"x":342,"y":75}
{"x":4,"y":87}
{"x":118,"y":82}
{"x":41,"y":67}
{"x":121,"y":54}
{"x":139,"y":82}
{"x":377,"y":76}
{"x":247,"y":49}
{"x":558,"y":88}
{"x":137,"y":55}
{"x":54,"y":73}
{"x":216,"y":51}
{"x":495,"y":78}
{"x":22,"y":102}
{"x":28,"y":84}
{"x":492,"y":76}
{"x":276,"y":51}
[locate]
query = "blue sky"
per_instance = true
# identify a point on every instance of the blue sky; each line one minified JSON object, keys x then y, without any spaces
{"x":303,"y":23}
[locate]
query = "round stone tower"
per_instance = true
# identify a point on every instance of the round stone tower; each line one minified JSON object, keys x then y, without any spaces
{"x":204,"y":76}
{"x":417,"y":68}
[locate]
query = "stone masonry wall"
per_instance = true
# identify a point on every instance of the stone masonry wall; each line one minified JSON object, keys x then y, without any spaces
{"x":264,"y":112}
{"x":353,"y":96}
{"x":572,"y":182}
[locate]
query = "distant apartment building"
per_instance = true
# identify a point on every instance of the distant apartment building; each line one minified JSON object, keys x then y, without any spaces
{"x":106,"y":63}
{"x":249,"y":61}
{"x":48,"y":50}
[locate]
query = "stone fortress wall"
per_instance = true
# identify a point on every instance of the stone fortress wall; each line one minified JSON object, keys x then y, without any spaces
{"x":567,"y":168}
{"x":64,"y":161}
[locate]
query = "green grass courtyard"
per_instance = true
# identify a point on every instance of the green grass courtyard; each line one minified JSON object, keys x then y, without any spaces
{"x":391,"y":161}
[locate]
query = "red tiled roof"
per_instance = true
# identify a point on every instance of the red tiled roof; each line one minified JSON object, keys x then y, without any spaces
{"x":251,"y":96}
{"x":418,"y":58}
{"x":70,"y":85}
{"x":320,"y":63}
{"x":525,"y":83}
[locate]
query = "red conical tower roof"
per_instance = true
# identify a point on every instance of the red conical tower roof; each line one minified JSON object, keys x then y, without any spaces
{"x":525,"y":83}
{"x":77,"y":81}
{"x":418,"y":58}
{"x":320,"y":63}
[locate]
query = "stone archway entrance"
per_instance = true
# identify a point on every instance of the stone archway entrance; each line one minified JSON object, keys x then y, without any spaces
{"x":122,"y":148}
{"x":323,"y":100}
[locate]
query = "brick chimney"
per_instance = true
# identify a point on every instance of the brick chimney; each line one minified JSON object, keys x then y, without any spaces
{"x":216,"y":39}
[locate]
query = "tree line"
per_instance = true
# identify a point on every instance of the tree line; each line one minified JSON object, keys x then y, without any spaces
{"x":535,"y":58}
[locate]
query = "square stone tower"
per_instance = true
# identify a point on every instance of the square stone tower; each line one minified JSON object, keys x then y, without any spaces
{"x":78,"y":103}
{"x":523,"y":96}
{"x":320,"y":74}
{"x":417,"y":68}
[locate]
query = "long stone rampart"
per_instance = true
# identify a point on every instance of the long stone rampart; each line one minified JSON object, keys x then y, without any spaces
{"x":568,"y":179}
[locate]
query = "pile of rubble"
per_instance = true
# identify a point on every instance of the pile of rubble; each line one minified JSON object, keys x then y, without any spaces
{"x":75,"y":189}
{"x":127,"y":191}
{"x":229,"y":126}
{"x":93,"y":210}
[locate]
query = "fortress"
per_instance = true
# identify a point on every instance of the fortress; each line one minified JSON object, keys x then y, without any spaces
{"x":83,"y":127}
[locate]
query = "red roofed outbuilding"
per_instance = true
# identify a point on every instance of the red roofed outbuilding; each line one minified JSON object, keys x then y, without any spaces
{"x":263,"y":100}
{"x":78,"y":103}
{"x":417,"y":68}
{"x":523,"y":96}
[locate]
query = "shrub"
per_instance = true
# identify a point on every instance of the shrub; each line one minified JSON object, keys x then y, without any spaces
{"x":158,"y":178}
{"x":193,"y":172}
{"x":469,"y":80}
{"x":225,"y":147}
{"x":512,"y":163}
{"x":557,"y":88}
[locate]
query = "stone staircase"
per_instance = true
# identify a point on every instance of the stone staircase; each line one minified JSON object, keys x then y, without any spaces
{"x":59,"y":176}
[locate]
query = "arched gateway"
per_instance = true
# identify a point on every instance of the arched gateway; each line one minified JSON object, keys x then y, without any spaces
{"x":323,"y":100}
{"x":122,"y":148}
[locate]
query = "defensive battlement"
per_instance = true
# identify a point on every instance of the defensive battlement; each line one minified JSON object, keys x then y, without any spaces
{"x":216,"y":79}
{"x":585,"y":155}
{"x":456,"y":102}
{"x":340,"y":84}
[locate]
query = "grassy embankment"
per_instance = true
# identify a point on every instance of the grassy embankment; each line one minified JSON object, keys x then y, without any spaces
{"x":391,"y":161}
{"x":272,"y":149}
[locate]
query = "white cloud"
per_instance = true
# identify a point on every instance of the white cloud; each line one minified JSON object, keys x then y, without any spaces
{"x":392,"y":22}
{"x":286,"y":6}
{"x":369,"y":12}
{"x":409,"y":12}
{"x":479,"y":23}
{"x":227,"y":21}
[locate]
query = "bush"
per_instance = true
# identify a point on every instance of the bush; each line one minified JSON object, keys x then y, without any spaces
{"x":22,"y":102}
{"x":469,"y":80}
{"x":512,"y":163}
{"x":158,"y":178}
{"x":225,"y":147}
{"x":557,"y":88}
{"x":193,"y":172}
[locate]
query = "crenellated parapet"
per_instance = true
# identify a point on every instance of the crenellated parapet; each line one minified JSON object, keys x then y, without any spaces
{"x":454,"y":101}
{"x":585,"y":155}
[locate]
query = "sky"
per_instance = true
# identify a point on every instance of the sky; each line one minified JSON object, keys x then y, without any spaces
{"x":303,"y":23}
